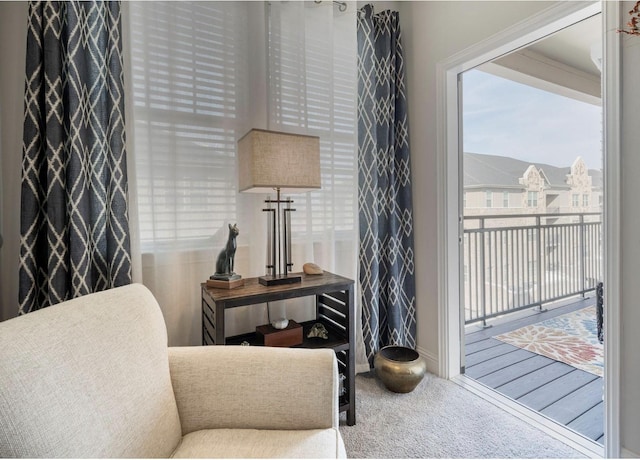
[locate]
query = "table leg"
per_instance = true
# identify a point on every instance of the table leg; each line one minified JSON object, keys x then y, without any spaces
{"x":220,"y":339}
{"x":351,"y":359}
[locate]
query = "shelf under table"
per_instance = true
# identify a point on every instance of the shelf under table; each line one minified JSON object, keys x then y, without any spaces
{"x":335,"y":341}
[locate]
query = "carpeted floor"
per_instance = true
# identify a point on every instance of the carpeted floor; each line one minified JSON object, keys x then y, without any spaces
{"x":440,"y":419}
{"x":570,"y":338}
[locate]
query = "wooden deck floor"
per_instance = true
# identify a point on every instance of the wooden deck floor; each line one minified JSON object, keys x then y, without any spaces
{"x":570,"y":396}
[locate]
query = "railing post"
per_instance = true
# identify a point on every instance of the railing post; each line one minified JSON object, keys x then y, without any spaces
{"x":582,"y":254}
{"x":483,"y":300}
{"x":539,"y":264}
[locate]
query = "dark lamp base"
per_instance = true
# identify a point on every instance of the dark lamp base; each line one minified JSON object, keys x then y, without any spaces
{"x":279,"y":280}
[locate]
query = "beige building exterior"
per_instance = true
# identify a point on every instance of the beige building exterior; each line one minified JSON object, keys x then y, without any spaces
{"x":495,"y":185}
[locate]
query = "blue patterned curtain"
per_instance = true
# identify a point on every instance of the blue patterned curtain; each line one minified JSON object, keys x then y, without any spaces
{"x":74,"y":225}
{"x":386,"y":213}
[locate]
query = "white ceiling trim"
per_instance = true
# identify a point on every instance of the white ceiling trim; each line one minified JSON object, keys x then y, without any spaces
{"x":536,"y":70}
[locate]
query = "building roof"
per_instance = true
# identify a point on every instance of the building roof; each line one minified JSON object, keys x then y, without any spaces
{"x":482,"y":170}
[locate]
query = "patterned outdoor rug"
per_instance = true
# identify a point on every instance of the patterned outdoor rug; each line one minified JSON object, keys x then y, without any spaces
{"x":570,"y":338}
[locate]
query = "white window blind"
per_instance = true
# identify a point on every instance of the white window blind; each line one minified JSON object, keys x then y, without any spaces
{"x":312,"y":90}
{"x":188,"y":75}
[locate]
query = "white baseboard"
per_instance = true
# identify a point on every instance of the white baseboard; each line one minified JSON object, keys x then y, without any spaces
{"x":626,"y":453}
{"x":432,"y":360}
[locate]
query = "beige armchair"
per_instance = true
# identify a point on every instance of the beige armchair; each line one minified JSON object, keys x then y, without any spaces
{"x":93,"y":377}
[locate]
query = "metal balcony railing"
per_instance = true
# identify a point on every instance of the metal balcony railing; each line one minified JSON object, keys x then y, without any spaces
{"x":514,"y":262}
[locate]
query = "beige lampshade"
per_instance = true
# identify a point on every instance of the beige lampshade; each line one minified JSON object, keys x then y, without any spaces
{"x":268,"y":160}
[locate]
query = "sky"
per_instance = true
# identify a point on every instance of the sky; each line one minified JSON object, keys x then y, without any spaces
{"x":505,"y":118}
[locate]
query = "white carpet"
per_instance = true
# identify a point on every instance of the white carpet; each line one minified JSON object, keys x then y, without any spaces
{"x":440,"y":419}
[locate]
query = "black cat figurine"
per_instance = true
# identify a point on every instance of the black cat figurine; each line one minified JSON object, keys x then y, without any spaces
{"x":226,"y":258}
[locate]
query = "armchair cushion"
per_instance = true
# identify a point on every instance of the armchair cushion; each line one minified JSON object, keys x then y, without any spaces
{"x":254,"y":387}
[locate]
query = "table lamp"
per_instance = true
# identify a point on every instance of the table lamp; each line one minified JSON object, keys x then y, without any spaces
{"x":286,"y":163}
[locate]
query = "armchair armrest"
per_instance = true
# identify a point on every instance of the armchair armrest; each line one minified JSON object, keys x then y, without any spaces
{"x":254,"y":387}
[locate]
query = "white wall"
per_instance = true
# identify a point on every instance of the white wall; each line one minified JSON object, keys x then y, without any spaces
{"x":13,"y":43}
{"x":630,"y":241}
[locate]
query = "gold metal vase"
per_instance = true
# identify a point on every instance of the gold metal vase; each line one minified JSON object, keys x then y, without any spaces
{"x":401,"y":369}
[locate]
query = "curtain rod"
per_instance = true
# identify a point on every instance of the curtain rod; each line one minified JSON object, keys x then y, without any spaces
{"x":342,"y":6}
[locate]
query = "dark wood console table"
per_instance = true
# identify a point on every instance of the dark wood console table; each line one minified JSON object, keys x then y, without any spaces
{"x":334,"y":309}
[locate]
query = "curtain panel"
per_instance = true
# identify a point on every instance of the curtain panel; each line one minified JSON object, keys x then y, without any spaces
{"x":202,"y":75}
{"x":74,"y":223}
{"x":312,"y":90}
{"x":385,"y":202}
{"x":312,"y":51}
{"x":189,"y":78}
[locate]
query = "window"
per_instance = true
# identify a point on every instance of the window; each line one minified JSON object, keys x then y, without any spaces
{"x":505,"y":199}
{"x":575,"y":200}
{"x":585,"y":200}
{"x":532,"y":199}
{"x":464,"y":199}
{"x":488,"y":196}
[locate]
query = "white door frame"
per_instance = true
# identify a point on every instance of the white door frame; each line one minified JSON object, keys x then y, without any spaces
{"x":449,"y":197}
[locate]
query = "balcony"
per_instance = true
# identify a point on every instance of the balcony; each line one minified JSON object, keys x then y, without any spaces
{"x":525,"y":274}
